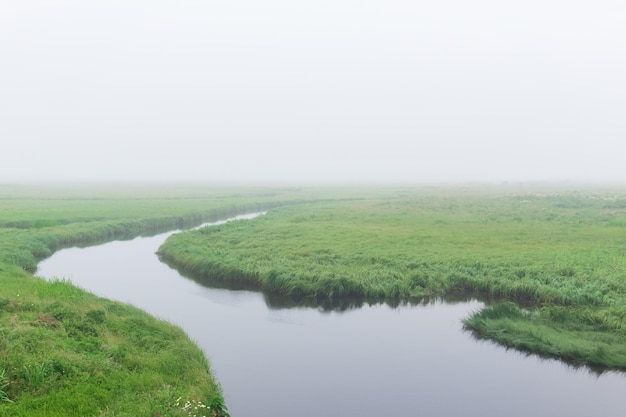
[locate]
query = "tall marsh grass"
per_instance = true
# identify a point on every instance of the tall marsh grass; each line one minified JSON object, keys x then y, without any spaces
{"x":4,"y":383}
{"x":542,"y":250}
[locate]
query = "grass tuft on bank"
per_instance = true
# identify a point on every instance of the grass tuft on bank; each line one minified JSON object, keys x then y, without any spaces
{"x":576,"y":335}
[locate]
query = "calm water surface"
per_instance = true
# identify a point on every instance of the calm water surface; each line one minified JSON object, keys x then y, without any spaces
{"x":371,"y":361}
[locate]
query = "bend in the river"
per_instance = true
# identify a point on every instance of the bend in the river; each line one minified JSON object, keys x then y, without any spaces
{"x":373,"y":360}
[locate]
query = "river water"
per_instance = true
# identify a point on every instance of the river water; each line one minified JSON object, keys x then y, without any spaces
{"x":369,"y":361}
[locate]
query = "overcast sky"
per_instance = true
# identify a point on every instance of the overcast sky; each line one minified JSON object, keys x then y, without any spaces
{"x":301,"y":91}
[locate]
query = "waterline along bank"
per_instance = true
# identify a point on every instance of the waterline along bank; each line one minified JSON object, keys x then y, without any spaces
{"x":276,"y":359}
{"x":66,"y":352}
{"x":548,"y":262}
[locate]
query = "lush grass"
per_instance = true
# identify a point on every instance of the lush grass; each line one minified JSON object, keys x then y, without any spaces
{"x":592,"y":336}
{"x":65,"y":352}
{"x":559,"y":253}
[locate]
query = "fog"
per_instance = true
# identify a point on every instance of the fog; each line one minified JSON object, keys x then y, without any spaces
{"x":294,"y":91}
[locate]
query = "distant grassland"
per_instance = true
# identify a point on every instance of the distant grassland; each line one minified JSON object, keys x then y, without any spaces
{"x":553,"y":260}
{"x":65,"y":352}
{"x":35,"y":221}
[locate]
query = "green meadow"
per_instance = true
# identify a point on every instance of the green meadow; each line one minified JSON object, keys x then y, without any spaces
{"x":549,"y":262}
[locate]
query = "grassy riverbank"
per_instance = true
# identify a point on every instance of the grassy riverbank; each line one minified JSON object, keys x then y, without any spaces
{"x":65,"y":352}
{"x":558,"y":253}
{"x":68,"y":353}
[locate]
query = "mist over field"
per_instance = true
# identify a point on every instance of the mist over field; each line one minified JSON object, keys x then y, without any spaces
{"x":328,"y":91}
{"x":475,"y":246}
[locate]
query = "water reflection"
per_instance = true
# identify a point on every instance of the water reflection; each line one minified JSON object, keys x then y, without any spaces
{"x":378,"y":359}
{"x":277,"y":301}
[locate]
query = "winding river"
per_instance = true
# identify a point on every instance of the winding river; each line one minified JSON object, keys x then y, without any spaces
{"x":370,"y":361}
